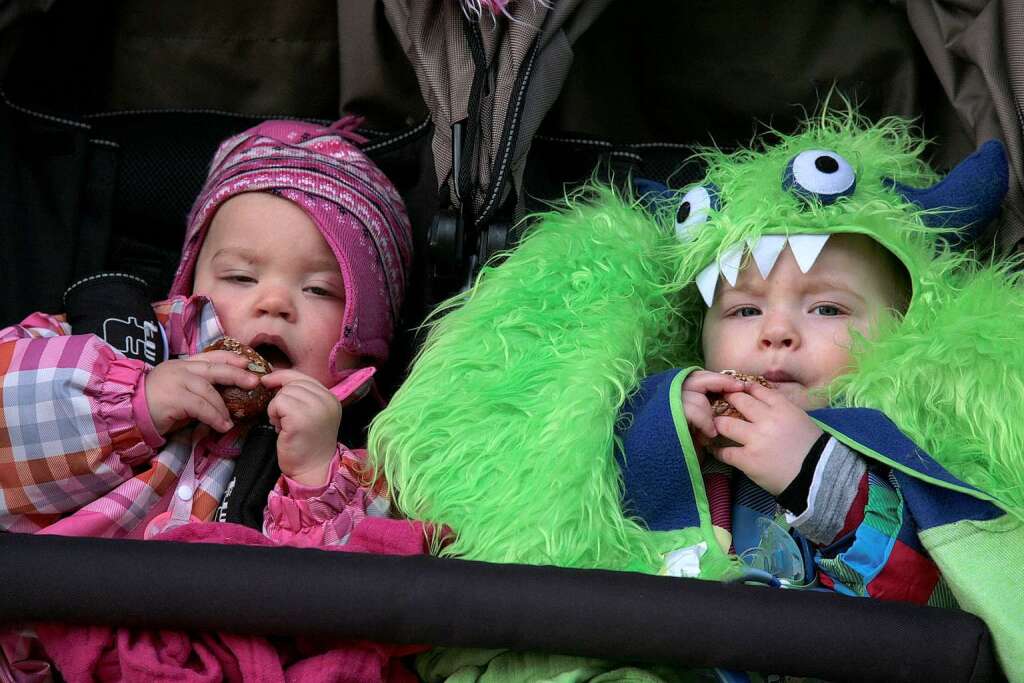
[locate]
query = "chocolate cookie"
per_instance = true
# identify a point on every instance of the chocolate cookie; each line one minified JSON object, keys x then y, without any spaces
{"x":243,"y":403}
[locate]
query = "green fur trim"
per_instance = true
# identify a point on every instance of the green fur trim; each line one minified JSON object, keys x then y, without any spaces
{"x":951,"y":376}
{"x":504,"y":429}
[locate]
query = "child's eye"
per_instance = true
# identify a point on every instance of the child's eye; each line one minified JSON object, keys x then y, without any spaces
{"x":746,"y":311}
{"x":318,"y":291}
{"x":827,"y":309}
{"x":240,"y":278}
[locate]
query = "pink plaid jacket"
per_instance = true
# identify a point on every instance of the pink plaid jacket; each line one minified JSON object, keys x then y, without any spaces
{"x":79,"y":455}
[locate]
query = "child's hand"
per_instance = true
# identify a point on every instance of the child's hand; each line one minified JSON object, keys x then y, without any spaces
{"x":181,"y":390}
{"x":697,"y":407}
{"x":774,"y":439}
{"x":306,"y":416}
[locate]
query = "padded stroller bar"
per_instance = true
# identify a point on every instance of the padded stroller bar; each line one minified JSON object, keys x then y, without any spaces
{"x":392,"y":599}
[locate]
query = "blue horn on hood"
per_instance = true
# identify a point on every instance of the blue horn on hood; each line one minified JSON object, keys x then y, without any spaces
{"x":968,"y":197}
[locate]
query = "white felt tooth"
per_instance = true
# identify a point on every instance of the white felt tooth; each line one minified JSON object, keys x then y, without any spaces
{"x":766,"y":253}
{"x":806,"y":248}
{"x":706,"y":283}
{"x":731,"y":264}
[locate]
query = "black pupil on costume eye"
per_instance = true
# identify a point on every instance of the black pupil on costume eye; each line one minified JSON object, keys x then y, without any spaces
{"x":683,"y":213}
{"x":826,"y":164}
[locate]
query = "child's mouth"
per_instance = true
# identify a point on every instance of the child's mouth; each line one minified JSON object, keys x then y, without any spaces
{"x":277,"y":356}
{"x":778,"y":376}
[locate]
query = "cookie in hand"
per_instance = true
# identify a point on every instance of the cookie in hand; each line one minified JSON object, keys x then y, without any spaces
{"x":722,"y":408}
{"x":243,"y":403}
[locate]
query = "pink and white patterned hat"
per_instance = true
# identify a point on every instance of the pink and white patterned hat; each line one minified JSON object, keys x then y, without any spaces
{"x":350,"y":200}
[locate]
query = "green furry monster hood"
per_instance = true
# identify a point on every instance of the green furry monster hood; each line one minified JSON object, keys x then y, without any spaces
{"x":504,"y":430}
{"x":840,"y":174}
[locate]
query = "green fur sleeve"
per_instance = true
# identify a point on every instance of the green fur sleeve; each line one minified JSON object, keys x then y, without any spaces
{"x":504,"y":429}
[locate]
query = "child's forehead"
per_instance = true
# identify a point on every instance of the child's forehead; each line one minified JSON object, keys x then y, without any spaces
{"x":259,"y":226}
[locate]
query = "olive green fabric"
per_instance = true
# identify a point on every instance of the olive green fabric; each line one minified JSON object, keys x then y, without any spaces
{"x":982,"y":562}
{"x":462,"y":665}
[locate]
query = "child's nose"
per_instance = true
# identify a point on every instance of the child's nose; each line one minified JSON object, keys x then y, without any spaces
{"x":275,"y":301}
{"x":778,"y":332}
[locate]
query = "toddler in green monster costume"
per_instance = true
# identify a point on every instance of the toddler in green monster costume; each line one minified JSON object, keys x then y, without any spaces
{"x":791,"y":326}
{"x":557,"y":411}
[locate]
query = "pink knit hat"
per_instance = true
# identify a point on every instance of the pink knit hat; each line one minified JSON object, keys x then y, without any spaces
{"x":349,"y":199}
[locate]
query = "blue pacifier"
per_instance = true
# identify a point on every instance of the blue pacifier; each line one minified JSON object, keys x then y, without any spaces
{"x":776,"y":553}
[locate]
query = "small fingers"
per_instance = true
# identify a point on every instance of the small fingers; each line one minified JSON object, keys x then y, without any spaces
{"x":310,"y":388}
{"x":697,"y":411}
{"x":307,"y":397}
{"x":206,"y":405}
{"x":227,"y":375}
{"x":734,"y":429}
{"x":279,"y":378}
{"x":703,"y":382}
{"x":751,"y":407}
{"x":226,"y":357}
{"x":283,"y":405}
{"x":763,"y":394}
{"x":731,"y":455}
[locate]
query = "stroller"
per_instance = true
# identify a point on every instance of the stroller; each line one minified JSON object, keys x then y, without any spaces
{"x":111,"y":112}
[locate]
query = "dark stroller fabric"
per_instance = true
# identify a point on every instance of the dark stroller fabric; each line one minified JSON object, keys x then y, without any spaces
{"x":603,"y":84}
{"x":56,"y":192}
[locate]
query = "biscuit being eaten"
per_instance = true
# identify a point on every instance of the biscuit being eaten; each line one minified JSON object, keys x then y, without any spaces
{"x":244,"y":403}
{"x":722,"y":408}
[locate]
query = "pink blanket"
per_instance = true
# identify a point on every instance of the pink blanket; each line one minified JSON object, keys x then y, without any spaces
{"x":117,"y":654}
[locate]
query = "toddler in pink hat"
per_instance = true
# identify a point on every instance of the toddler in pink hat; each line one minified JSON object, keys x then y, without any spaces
{"x":303,"y":247}
{"x":298,"y":246}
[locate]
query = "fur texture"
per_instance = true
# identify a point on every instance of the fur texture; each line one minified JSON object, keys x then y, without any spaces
{"x":504,"y":429}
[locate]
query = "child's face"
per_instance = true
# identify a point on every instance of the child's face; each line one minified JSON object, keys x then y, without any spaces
{"x":794,"y":328}
{"x":274,"y":283}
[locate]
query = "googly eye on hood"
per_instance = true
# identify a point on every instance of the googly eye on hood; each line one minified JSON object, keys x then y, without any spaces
{"x":819,"y":175}
{"x":694,"y":209}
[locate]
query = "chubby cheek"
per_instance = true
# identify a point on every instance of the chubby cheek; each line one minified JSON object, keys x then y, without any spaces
{"x":806,"y":399}
{"x":314,"y":361}
{"x":226,"y":308}
{"x":316,"y":352}
{"x":831,"y":361}
{"x":722,"y":351}
{"x":203,"y":282}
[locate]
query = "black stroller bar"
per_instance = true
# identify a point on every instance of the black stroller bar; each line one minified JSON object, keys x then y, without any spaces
{"x":407,"y":600}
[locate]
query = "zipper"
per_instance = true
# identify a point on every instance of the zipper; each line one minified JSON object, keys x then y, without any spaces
{"x":511,"y":134}
{"x":464,"y":187}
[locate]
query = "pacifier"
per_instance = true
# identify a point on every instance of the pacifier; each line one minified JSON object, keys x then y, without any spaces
{"x":775,"y":553}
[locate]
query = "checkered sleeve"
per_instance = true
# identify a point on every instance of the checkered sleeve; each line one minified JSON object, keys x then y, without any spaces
{"x":68,"y":433}
{"x":308,"y":516}
{"x":35,"y":326}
